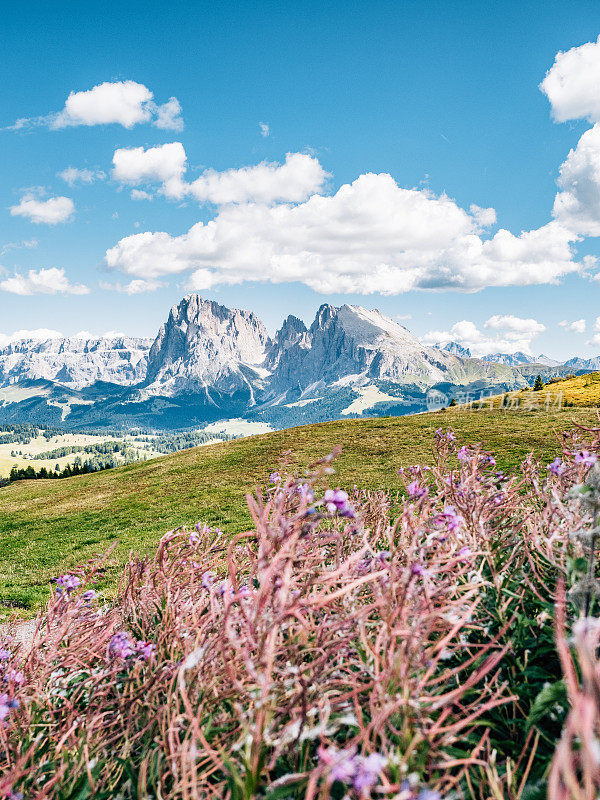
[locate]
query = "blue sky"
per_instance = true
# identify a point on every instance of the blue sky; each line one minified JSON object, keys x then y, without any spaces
{"x":439,"y":99}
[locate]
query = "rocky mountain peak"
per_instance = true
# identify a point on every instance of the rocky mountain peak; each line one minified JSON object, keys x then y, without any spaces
{"x":457,"y":350}
{"x":204,"y":344}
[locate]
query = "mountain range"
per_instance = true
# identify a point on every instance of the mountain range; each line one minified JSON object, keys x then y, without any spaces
{"x":210,"y":363}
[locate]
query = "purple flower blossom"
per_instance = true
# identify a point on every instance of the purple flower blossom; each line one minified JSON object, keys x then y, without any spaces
{"x":451,"y":436}
{"x":337,"y":501}
{"x":557,"y":467}
{"x":67,"y":583}
{"x":586,"y":458}
{"x":89,"y":595}
{"x":418,"y":569}
{"x":121,"y":646}
{"x":4,"y":654}
{"x":464,"y":553}
{"x":463,"y":454}
{"x":14,"y":676}
{"x":207,"y":580}
{"x":306,"y":493}
{"x":415,"y":489}
{"x":274,"y":477}
{"x":144,"y":650}
{"x":451,"y":519}
{"x":6,"y":705}
{"x":428,"y":794}
{"x":360,"y":772}
{"x":368,"y":772}
{"x":194,"y":538}
{"x":490,"y":461}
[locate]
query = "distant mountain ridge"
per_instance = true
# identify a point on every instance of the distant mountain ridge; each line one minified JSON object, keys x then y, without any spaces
{"x":76,"y":362}
{"x":209,"y":362}
{"x":511,"y":359}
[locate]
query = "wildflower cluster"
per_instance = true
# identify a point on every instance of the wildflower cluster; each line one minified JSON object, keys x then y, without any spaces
{"x":122,"y":646}
{"x":352,"y":644}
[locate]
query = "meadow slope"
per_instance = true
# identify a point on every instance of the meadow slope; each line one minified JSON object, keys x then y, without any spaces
{"x":47,"y":527}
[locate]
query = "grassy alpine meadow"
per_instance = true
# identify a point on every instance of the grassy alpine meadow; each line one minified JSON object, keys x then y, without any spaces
{"x":342,"y":644}
{"x":49,"y":526}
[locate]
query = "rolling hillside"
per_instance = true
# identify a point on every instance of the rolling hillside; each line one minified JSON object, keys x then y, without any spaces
{"x":47,"y":527}
{"x":580,"y":391}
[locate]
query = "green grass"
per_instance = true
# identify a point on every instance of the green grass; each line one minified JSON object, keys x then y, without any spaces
{"x":47,"y":527}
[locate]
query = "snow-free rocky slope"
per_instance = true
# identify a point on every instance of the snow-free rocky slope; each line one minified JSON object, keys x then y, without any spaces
{"x":209,"y":362}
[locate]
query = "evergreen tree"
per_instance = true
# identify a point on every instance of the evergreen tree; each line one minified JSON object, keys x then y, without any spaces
{"x":539,"y":384}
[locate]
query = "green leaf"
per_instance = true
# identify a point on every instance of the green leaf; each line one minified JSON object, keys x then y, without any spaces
{"x":551,"y":699}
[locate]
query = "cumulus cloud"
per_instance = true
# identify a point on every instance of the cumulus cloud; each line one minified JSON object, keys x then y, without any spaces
{"x":73,"y":175}
{"x":515,"y":328}
{"x":44,"y":281}
{"x":370,"y":236}
{"x":571,"y":84}
{"x":140,"y":194}
{"x":300,"y":176}
{"x":484,"y":217}
{"x":276,"y":222}
{"x":48,"y":212}
{"x":38,"y":334}
{"x":165,"y":164}
{"x":168,"y":116}
{"x":578,"y":326}
{"x":125,"y":103}
{"x":577,"y":204}
{"x":511,"y":335}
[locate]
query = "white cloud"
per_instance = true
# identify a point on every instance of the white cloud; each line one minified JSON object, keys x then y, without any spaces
{"x":136,"y":286}
{"x":300,"y":176}
{"x":125,"y":103}
{"x":595,"y":340}
{"x":39,"y":335}
{"x":49,"y":212}
{"x":273,"y":223}
{"x":294,"y":181}
{"x":484,"y":217}
{"x":370,"y":236}
{"x":265,"y":130}
{"x":165,"y":164}
{"x":73,"y":175}
{"x":577,"y":205}
{"x":140,"y":194}
{"x":44,"y":281}
{"x":571,"y":84}
{"x":27,"y":244}
{"x":515,"y":328}
{"x":578,"y":326}
{"x":513,"y":334}
{"x":168,"y":116}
